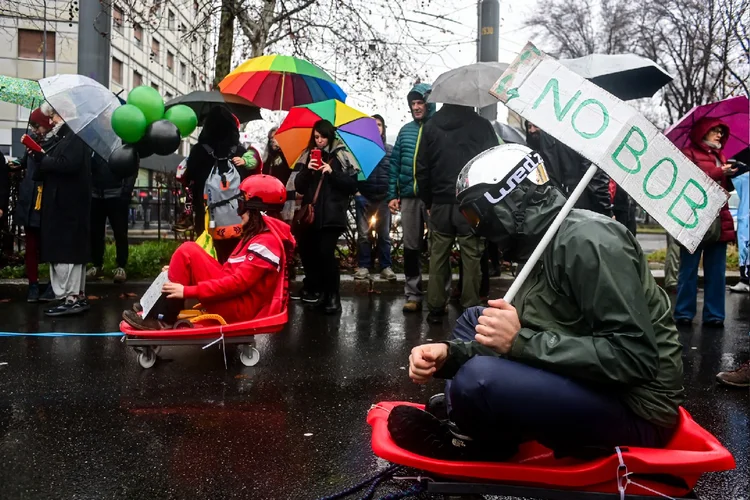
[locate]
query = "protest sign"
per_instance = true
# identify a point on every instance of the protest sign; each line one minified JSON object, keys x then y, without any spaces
{"x":616,"y":138}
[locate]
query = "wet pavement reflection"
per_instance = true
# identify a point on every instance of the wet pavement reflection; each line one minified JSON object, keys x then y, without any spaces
{"x":79,"y":418}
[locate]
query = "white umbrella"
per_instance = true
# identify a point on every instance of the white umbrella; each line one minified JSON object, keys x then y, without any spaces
{"x":468,"y":85}
{"x":87,"y":107}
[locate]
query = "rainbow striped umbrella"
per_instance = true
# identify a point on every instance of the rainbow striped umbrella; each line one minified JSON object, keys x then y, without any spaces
{"x":358,"y":132}
{"x":280,"y":82}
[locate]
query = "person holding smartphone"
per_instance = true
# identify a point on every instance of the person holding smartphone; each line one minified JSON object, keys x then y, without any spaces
{"x":326,"y":167}
{"x":28,"y":210}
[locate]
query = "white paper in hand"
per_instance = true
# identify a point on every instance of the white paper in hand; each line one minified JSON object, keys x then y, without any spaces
{"x":153,"y":293}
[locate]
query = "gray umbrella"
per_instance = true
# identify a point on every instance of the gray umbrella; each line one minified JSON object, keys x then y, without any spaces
{"x":626,"y":76}
{"x":468,"y":85}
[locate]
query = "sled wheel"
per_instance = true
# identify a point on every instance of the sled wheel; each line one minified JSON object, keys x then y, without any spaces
{"x":249,"y":355}
{"x":147,"y":358}
{"x":183,"y":324}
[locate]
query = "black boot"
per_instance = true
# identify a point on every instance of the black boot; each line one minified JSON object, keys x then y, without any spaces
{"x":332,"y":303}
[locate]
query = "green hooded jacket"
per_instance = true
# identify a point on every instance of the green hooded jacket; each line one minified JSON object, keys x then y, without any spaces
{"x":592,"y":311}
{"x":402,"y":181}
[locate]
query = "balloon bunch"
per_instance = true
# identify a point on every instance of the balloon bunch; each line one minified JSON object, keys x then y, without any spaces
{"x":146,"y":129}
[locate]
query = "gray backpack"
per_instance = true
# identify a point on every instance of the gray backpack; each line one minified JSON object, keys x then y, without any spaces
{"x":222,"y":195}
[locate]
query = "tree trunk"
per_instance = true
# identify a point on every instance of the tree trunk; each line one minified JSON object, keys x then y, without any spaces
{"x":226,"y":41}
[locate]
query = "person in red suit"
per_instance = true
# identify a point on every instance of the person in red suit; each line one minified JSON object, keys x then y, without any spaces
{"x":245,"y":286}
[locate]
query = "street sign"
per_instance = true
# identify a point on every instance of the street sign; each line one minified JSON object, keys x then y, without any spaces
{"x":616,"y":138}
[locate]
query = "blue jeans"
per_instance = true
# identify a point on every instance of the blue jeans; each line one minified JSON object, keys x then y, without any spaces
{"x":505,"y":402}
{"x":365,"y":211}
{"x":714,"y":278}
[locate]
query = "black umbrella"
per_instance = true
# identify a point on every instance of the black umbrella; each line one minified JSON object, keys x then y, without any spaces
{"x":509,"y":134}
{"x":626,"y":76}
{"x":201,"y":102}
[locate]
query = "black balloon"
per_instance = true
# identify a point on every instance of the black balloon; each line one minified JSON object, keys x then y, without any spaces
{"x":124,"y":161}
{"x":163,"y":137}
{"x":144,"y":148}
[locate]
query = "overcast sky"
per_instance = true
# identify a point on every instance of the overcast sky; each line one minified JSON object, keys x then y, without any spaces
{"x":513,"y":36}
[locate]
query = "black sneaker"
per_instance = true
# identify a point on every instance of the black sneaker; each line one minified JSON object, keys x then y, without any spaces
{"x":48,"y":295}
{"x":437,"y":407}
{"x":295,"y":295}
{"x":68,"y":308}
{"x":310,"y":297}
{"x":436,"y":316}
{"x":33,"y":295}
{"x":422,"y":433}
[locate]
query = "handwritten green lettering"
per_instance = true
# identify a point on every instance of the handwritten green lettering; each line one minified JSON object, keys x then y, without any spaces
{"x":651,"y":171}
{"x":605,"y":119}
{"x":637,"y":153}
{"x":694,"y":205}
{"x":554,"y":85}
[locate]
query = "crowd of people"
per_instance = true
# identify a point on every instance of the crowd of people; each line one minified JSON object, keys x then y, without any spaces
{"x":67,"y":195}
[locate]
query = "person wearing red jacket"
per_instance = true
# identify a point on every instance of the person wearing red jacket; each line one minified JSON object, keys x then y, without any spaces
{"x":243,"y":288}
{"x":707,"y":138}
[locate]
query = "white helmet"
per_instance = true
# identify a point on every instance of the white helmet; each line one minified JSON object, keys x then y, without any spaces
{"x":492,"y":175}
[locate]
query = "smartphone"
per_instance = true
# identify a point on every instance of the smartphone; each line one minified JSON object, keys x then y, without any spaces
{"x":316,"y":155}
{"x":31,"y":144}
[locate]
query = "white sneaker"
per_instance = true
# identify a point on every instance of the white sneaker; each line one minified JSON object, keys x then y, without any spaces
{"x":362,"y":274}
{"x":388,"y":274}
{"x":740,"y":287}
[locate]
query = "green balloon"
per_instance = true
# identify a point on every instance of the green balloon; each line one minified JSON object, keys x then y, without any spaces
{"x":129,"y":123}
{"x":183,"y":117}
{"x":148,"y":100}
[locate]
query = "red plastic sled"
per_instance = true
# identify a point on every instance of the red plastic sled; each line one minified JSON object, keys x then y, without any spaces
{"x":534,"y":471}
{"x":205,"y":331}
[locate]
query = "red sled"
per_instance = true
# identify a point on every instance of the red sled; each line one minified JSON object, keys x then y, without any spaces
{"x":195,"y":327}
{"x":645,"y":473}
{"x":204,"y":329}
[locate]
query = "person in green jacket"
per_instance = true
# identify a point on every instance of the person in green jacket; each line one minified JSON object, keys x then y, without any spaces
{"x":403,"y":192}
{"x":585,"y":358}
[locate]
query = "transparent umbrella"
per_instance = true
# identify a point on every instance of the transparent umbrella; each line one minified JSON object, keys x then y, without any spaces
{"x":87,"y":107}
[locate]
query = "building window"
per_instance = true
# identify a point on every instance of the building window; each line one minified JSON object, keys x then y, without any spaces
{"x":137,"y":79}
{"x":196,"y":7}
{"x":193,"y":80}
{"x":170,"y":62}
{"x":138,"y":34}
{"x":31,"y":44}
{"x":155,"y":47}
{"x":168,"y":96}
{"x":183,"y":72}
{"x":116,"y":70}
{"x":117,"y":17}
{"x":155,"y":86}
{"x":183,"y":29}
{"x":171,"y":20}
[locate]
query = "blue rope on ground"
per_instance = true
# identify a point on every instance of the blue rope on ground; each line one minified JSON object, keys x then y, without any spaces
{"x":377,"y":478}
{"x":60,"y":334}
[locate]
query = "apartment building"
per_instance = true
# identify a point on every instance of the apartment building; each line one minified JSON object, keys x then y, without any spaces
{"x":152,"y":43}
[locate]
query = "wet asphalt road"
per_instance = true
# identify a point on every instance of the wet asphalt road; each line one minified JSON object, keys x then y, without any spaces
{"x":80,"y":419}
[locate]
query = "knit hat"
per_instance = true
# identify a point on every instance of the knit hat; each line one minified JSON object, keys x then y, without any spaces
{"x":38,"y":118}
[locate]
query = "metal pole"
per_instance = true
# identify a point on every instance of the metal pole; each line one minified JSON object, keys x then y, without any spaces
{"x":489,"y":36}
{"x":94,"y":40}
{"x":44,"y":43}
{"x":542,"y":246}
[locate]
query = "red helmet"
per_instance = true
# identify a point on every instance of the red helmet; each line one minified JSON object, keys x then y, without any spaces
{"x":262,"y":192}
